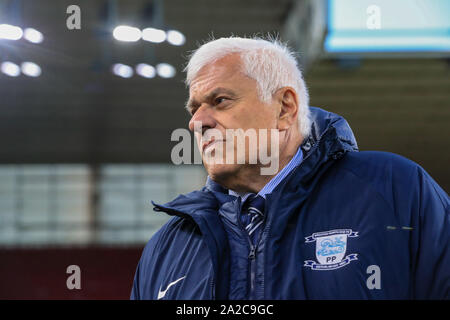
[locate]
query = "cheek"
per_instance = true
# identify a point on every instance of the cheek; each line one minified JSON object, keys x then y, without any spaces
{"x":236,"y":120}
{"x":254,"y":115}
{"x":266,"y":117}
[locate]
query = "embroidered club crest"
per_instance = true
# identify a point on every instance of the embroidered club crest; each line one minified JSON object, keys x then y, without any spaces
{"x":331,"y":247}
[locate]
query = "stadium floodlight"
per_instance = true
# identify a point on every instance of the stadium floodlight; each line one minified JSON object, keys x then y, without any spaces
{"x":30,"y":69}
{"x":122,"y":70}
{"x":33,"y":35}
{"x":10,"y":69}
{"x":175,"y":38}
{"x":165,"y":70}
{"x":127,"y":33}
{"x":154,"y":35}
{"x":145,"y":70}
{"x":10,"y":32}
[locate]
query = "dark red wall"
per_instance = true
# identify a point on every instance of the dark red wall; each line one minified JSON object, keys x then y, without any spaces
{"x":106,"y":273}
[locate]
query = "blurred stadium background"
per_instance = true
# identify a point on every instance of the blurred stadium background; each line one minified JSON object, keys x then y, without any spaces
{"x":86,"y":119}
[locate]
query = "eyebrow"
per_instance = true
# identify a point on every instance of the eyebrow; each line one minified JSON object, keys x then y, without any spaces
{"x":191,"y":104}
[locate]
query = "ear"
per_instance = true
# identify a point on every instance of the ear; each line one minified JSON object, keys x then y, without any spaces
{"x":286,"y":97}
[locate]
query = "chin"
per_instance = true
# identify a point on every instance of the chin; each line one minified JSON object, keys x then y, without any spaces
{"x":222,"y":173}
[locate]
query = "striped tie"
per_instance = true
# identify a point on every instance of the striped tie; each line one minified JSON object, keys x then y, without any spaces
{"x":252,"y":216}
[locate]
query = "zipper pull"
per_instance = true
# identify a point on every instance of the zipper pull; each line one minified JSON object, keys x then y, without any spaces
{"x":252,"y":253}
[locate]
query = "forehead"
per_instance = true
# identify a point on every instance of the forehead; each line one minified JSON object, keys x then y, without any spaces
{"x":225,"y":72}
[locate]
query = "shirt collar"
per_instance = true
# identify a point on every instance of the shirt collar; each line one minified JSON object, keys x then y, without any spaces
{"x":270,"y":186}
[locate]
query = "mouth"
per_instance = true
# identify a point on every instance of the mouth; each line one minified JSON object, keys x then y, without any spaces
{"x":209,"y":144}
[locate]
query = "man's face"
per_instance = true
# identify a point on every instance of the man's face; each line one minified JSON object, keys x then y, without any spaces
{"x":222,"y":98}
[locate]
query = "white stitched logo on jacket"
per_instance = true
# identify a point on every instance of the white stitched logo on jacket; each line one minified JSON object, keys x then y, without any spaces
{"x":161,"y":294}
{"x":331,"y":247}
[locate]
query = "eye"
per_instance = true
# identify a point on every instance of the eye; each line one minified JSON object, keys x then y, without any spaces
{"x":219,"y":100}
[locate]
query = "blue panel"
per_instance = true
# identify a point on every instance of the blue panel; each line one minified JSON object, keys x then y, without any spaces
{"x":405,"y":26}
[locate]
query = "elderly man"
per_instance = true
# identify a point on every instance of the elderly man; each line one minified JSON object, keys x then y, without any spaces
{"x":329,"y":223}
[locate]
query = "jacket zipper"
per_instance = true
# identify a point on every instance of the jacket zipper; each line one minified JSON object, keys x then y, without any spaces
{"x":213,"y":293}
{"x":251,"y":258}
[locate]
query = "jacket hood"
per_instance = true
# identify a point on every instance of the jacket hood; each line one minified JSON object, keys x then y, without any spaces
{"x":323,"y":122}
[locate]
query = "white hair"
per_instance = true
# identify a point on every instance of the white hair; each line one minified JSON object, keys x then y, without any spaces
{"x":271,"y":63}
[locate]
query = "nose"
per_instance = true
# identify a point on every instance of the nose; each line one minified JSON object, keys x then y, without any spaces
{"x":202,"y":120}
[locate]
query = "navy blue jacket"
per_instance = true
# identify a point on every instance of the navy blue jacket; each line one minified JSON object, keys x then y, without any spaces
{"x":342,"y":225}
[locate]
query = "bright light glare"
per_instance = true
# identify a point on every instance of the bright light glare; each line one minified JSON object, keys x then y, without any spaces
{"x":30,"y":69}
{"x":145,"y":70}
{"x":122,"y":70}
{"x":10,"y":69}
{"x":165,"y":70}
{"x":10,"y":32}
{"x":154,"y":35}
{"x":33,"y":35}
{"x":176,"y":38}
{"x":127,"y":33}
